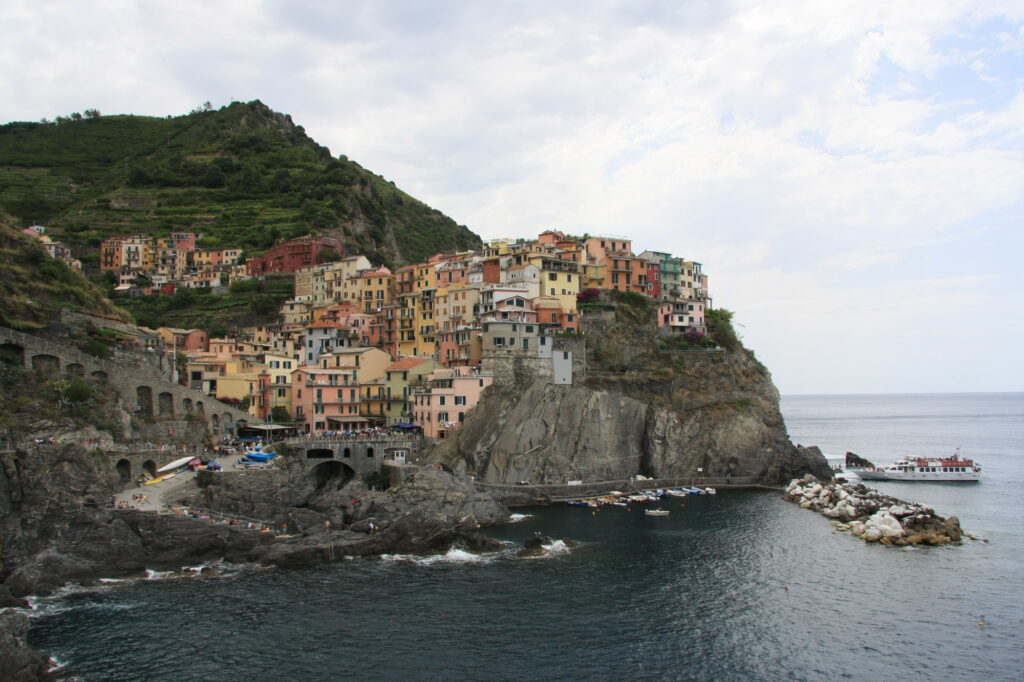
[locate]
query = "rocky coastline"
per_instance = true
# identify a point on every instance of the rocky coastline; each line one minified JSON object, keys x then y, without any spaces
{"x":873,"y":516}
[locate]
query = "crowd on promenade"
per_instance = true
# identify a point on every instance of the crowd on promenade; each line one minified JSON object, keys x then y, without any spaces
{"x":376,"y":433}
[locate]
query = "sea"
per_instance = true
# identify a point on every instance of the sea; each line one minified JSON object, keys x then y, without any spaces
{"x":735,"y":586}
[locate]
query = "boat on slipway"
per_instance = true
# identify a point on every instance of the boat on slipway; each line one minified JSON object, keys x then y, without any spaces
{"x":913,"y":468}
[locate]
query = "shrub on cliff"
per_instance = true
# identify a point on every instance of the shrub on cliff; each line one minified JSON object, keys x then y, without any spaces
{"x":719,"y":321}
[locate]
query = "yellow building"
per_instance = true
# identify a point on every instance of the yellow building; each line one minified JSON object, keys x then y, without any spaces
{"x":374,"y":288}
{"x":405,"y":327}
{"x":560,"y":279}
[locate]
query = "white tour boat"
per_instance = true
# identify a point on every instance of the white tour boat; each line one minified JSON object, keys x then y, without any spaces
{"x":912,"y":468}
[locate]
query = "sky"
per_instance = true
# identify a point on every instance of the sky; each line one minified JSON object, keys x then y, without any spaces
{"x":850,"y":173}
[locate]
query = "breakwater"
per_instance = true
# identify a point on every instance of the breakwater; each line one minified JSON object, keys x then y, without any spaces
{"x":872,"y":515}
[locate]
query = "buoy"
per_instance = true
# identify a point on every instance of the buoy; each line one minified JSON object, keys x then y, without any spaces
{"x":785,"y":587}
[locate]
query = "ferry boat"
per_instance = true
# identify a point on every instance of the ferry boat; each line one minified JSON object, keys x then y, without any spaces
{"x":925,"y":469}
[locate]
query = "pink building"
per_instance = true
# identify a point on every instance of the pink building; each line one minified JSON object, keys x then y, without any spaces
{"x":186,"y":241}
{"x":441,"y":407}
{"x":326,"y":398}
{"x":680,"y":317}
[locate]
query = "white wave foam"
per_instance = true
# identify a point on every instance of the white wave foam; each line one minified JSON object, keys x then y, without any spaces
{"x":556,"y":548}
{"x":158,"y":575}
{"x":516,"y":518}
{"x":452,"y":556}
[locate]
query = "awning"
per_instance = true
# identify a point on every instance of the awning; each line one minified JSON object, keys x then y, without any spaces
{"x":347,"y":419}
{"x":406,"y":426}
{"x":266,"y":427}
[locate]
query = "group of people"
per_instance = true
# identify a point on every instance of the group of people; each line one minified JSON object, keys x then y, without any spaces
{"x":137,"y":501}
{"x":375,"y":433}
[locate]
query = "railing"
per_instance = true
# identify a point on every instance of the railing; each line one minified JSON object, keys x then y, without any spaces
{"x":201,"y":514}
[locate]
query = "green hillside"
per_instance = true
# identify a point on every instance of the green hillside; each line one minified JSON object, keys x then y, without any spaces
{"x":242,"y":176}
{"x":33,"y":286}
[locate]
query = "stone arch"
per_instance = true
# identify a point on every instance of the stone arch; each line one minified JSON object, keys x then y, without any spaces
{"x":12,"y":354}
{"x":199,"y":408}
{"x":74,"y":369}
{"x":144,"y":398}
{"x":149,"y":466}
{"x":46,"y":363}
{"x":188,"y":405}
{"x":347,"y":453}
{"x":332,"y":473}
{"x":369,"y":453}
{"x":124,"y":469}
{"x":215,"y":421}
{"x":165,"y":404}
{"x":319,"y":453}
{"x":100,"y":376}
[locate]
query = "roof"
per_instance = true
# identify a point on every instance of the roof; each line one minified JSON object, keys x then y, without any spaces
{"x":404,"y":364}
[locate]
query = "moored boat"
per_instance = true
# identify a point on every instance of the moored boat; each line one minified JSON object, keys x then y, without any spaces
{"x":259,"y":456}
{"x":912,"y":468}
{"x":656,"y":512}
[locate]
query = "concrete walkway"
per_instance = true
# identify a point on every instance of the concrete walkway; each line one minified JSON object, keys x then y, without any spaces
{"x":157,"y":493}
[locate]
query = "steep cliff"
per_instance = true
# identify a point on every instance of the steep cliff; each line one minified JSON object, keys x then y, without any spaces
{"x":635,"y":408}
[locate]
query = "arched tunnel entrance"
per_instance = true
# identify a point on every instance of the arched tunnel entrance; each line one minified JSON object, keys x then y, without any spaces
{"x":124,"y":469}
{"x":12,"y":354}
{"x":333,"y":473}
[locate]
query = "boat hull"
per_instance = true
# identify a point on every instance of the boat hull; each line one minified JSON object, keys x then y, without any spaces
{"x":957,"y":477}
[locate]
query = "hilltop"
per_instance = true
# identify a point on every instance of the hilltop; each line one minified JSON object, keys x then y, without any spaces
{"x":243,"y":176}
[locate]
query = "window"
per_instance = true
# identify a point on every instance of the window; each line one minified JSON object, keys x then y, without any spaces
{"x":529,"y":329}
{"x":442,"y":416}
{"x":440,"y":400}
{"x":526,"y":344}
{"x":552,"y":276}
{"x":460,"y":400}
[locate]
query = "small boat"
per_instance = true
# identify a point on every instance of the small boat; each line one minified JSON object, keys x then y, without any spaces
{"x":678,"y":492}
{"x":926,"y":469}
{"x":656,"y":512}
{"x":576,"y":503}
{"x":254,"y":456}
{"x":710,"y":491}
{"x":176,"y":464}
{"x":165,"y":477}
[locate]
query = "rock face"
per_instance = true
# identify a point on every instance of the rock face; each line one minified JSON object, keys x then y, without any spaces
{"x":57,"y":527}
{"x":719,"y":418}
{"x":19,"y":662}
{"x":872,"y":515}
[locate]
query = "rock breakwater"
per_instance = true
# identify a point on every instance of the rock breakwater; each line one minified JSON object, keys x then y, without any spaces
{"x":874,"y":516}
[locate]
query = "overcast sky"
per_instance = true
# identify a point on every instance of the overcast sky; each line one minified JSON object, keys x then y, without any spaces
{"x":851,"y":174}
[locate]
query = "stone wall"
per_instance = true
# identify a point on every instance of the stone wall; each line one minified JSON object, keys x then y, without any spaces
{"x":143,"y":391}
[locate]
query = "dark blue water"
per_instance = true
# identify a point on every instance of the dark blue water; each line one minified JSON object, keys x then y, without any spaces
{"x":733,"y":586}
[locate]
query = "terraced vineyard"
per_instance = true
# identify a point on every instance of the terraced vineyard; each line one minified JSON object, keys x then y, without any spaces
{"x":243,"y":176}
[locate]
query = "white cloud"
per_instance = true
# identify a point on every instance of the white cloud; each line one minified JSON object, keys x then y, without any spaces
{"x":791,"y":147}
